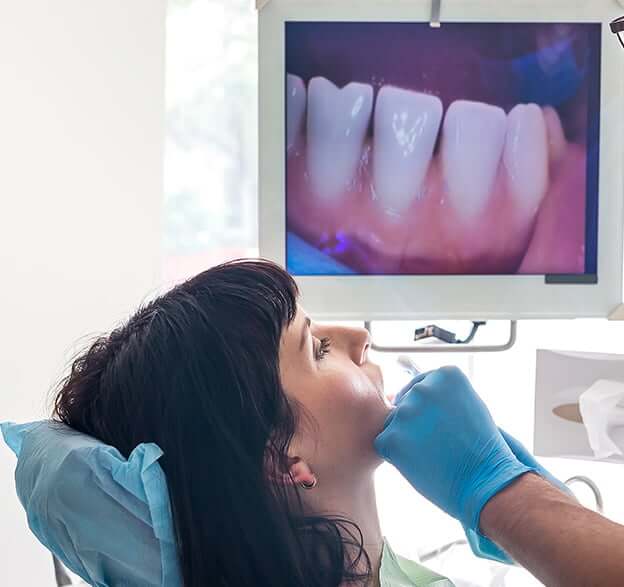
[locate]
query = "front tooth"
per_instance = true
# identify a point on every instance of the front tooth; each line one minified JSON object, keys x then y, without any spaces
{"x":472,"y":145}
{"x":526,"y":156}
{"x":557,"y":142}
{"x":338,"y":120}
{"x":406,"y":129}
{"x":296,"y":105}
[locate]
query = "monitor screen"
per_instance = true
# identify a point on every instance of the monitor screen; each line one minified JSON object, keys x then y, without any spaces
{"x":470,"y":149}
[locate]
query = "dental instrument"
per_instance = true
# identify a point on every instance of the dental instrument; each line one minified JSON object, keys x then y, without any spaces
{"x":409,"y":365}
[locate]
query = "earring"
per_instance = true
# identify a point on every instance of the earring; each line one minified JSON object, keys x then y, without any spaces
{"x":305,"y":485}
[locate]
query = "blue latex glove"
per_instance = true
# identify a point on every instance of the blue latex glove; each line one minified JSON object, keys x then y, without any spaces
{"x":519,"y":450}
{"x":442,"y":439}
{"x":524,"y":456}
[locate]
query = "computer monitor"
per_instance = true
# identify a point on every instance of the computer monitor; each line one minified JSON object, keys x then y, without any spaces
{"x":468,"y":171}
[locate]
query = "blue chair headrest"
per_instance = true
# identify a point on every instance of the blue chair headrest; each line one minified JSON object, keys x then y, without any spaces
{"x":106,"y":518}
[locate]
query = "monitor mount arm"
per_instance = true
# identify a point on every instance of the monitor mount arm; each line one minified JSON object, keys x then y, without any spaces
{"x":449,"y":339}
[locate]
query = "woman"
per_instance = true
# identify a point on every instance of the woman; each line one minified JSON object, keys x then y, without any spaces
{"x":266,"y":421}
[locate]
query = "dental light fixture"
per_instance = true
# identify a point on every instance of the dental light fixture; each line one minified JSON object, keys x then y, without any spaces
{"x":617,"y":27}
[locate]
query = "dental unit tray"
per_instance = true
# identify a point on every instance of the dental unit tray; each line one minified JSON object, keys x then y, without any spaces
{"x":378,"y":216}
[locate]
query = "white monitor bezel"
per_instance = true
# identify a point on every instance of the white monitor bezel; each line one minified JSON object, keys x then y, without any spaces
{"x":443,"y":297}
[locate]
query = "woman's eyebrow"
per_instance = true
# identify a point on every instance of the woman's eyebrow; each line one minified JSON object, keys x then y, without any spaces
{"x":304,"y":332}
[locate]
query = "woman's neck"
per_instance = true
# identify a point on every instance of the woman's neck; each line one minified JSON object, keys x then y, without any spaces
{"x":353,"y":499}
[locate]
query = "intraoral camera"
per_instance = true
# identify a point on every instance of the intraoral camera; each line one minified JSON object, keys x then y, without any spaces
{"x":463,"y":172}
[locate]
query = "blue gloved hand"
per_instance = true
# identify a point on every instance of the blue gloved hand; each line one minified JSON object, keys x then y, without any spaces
{"x":442,"y":439}
{"x":524,"y":456}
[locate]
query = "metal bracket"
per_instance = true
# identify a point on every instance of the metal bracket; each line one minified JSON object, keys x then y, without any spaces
{"x":448,"y":348}
{"x":617,"y":314}
{"x":436,"y":8}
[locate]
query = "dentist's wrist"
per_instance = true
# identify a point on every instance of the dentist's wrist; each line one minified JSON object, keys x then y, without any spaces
{"x":505,"y":510}
{"x":494,"y":474}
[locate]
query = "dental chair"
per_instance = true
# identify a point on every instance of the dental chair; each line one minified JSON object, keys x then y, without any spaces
{"x":61,"y":575}
{"x":105,"y":518}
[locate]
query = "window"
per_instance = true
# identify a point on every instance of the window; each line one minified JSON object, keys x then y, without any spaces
{"x":210,"y":204}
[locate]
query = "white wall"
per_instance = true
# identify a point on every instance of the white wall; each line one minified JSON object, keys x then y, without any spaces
{"x":81,"y":139}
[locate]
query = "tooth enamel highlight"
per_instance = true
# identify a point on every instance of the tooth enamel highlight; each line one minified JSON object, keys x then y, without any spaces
{"x":472,"y":144}
{"x":406,"y":128}
{"x":526,"y":156}
{"x":557,"y":142}
{"x":338,"y":120}
{"x":295,"y":107}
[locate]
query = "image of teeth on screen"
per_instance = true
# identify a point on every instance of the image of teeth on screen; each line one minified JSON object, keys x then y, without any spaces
{"x":469,"y":149}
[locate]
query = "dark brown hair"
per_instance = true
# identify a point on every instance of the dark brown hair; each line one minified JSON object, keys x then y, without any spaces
{"x":197,"y":372}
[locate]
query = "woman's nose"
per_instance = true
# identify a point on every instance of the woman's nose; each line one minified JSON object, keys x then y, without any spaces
{"x":361,"y":344}
{"x":355,"y":342}
{"x":364,"y":356}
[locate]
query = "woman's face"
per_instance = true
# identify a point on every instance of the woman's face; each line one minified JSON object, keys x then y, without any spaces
{"x":326,"y":370}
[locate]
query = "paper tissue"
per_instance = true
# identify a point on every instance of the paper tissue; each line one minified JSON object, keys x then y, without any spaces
{"x":602,"y":410}
{"x":561,"y":430}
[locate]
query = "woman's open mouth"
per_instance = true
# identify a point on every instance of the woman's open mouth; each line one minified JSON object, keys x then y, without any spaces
{"x":454,"y":151}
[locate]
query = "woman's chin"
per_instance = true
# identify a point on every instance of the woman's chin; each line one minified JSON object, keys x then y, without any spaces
{"x":385,"y":407}
{"x":384,"y":404}
{"x":375,"y":376}
{"x":387,"y":402}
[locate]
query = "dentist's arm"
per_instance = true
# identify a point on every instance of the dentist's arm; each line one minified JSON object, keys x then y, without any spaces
{"x":559,"y":541}
{"x":443,"y":440}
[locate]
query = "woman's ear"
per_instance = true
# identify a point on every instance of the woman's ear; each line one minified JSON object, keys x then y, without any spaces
{"x":300,"y":473}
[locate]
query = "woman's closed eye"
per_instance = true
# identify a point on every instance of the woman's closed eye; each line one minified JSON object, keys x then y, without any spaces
{"x":322,"y":348}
